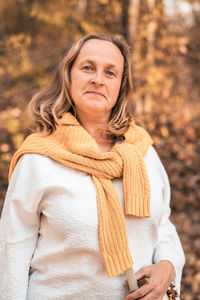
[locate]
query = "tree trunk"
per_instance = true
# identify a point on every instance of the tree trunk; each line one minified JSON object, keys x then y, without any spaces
{"x":20,"y":16}
{"x":145,"y":26}
{"x":125,"y":19}
{"x":133,"y":19}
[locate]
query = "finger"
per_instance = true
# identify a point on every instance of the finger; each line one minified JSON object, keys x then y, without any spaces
{"x":141,"y":292}
{"x":149,"y":296}
{"x":146,"y":271}
{"x":155,"y":293}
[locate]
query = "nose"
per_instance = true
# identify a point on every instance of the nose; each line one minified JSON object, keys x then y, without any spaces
{"x":97,"y":78}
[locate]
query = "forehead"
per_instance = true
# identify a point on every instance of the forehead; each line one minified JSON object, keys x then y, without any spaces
{"x":101,"y":51}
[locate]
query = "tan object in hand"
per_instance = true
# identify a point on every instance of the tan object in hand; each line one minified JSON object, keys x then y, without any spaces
{"x":171,"y":293}
{"x":134,"y":284}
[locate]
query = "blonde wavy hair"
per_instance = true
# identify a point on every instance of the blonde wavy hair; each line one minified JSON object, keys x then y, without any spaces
{"x":48,"y":106}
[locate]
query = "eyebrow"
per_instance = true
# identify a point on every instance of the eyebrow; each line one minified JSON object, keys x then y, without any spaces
{"x":108,"y":65}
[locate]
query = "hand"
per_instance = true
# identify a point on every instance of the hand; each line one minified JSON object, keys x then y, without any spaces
{"x":160,"y":277}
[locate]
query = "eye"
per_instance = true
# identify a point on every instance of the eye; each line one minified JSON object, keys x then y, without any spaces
{"x":110,"y":73}
{"x":88,"y":68}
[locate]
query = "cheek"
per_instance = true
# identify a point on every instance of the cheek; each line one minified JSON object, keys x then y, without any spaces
{"x":78,"y":82}
{"x":75,"y":86}
{"x":72,"y":91}
{"x":115,"y":90}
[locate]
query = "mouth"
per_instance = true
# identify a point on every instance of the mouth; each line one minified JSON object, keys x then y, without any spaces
{"x":95,"y":93}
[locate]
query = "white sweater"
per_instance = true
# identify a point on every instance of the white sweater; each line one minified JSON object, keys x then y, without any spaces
{"x":49,"y":246}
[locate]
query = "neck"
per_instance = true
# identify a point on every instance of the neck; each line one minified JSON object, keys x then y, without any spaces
{"x":95,"y":126}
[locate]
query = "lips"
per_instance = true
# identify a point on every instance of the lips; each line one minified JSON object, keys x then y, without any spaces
{"x":95,"y":93}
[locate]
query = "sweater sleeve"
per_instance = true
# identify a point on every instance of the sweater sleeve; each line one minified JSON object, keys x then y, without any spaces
{"x":168,"y":246}
{"x":19,"y":225}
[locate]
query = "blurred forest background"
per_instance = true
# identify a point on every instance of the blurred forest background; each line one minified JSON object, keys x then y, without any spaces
{"x":165,"y":36}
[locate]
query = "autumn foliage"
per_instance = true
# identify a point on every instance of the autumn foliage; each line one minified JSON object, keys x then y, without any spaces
{"x":166,"y":70}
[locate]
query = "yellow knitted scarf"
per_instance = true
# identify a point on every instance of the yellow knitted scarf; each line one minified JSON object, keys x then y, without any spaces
{"x":72,"y":146}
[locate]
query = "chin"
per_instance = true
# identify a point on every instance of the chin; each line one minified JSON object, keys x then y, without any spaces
{"x":96,"y":108}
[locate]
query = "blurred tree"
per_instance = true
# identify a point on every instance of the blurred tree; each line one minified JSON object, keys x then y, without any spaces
{"x":125,"y":19}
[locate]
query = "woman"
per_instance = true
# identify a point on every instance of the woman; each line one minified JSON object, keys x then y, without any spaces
{"x":88,"y":196}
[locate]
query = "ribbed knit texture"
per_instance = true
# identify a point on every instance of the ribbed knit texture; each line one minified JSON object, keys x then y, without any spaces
{"x":71,"y":145}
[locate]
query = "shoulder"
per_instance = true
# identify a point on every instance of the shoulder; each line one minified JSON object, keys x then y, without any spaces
{"x":152,"y":158}
{"x":42,"y":169}
{"x":154,"y":166}
{"x":34,"y":161}
{"x":34,"y":167}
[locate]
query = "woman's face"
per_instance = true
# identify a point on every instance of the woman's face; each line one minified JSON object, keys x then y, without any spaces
{"x":96,"y":77}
